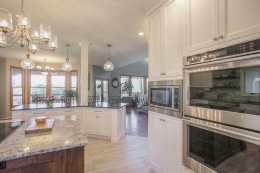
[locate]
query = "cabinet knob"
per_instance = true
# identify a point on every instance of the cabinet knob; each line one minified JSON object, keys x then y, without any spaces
{"x":215,"y":38}
{"x":221,"y":37}
{"x":163,"y":73}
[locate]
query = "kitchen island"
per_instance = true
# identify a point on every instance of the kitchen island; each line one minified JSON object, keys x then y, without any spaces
{"x":60,"y":150}
{"x":99,"y":119}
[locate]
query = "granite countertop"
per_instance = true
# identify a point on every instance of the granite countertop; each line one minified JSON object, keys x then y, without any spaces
{"x":71,"y":105}
{"x":66,"y":133}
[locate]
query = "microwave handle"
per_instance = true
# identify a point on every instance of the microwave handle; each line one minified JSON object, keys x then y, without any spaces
{"x":188,"y":95}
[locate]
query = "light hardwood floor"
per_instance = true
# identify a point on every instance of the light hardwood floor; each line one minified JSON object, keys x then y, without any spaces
{"x":129,"y":155}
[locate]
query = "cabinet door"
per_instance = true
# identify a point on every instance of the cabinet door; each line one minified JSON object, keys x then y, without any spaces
{"x":156,"y":141}
{"x":186,"y":170}
{"x":156,"y":45}
{"x":104,"y":127}
{"x":173,"y":48}
{"x":92,"y":124}
{"x":173,"y":145}
{"x":201,"y":23}
{"x":238,"y":18}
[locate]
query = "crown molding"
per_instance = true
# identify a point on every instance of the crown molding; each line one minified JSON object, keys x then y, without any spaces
{"x":153,"y":7}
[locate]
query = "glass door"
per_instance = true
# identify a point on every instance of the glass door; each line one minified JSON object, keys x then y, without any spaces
{"x":101,"y":89}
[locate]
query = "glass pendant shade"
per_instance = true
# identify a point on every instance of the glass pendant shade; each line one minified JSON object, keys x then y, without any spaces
{"x":45,"y":32}
{"x":53,"y":43}
{"x":27,"y":63}
{"x":108,"y":66}
{"x":24,"y":19}
{"x":6,"y":23}
{"x":66,"y":66}
{"x":2,"y":40}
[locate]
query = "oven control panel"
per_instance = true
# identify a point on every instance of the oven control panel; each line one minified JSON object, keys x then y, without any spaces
{"x":228,"y":52}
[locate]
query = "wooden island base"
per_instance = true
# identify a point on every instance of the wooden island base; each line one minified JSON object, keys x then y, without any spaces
{"x":63,"y":161}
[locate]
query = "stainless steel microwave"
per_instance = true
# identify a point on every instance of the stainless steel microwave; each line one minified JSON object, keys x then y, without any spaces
{"x":166,"y":96}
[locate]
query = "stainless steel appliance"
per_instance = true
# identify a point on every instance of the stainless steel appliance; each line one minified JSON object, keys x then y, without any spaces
{"x":222,"y":109}
{"x":7,"y":128}
{"x":166,"y":97}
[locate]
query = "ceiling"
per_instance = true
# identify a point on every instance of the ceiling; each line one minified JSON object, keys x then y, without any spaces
{"x":98,"y":22}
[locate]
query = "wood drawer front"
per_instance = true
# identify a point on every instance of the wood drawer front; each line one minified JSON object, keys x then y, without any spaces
{"x":38,"y":112}
{"x":68,"y":110}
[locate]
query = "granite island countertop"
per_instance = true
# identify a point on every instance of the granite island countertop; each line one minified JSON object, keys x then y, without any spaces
{"x":71,"y":105}
{"x":66,"y":134}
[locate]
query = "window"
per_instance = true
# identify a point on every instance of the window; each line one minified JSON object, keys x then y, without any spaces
{"x":138,"y":83}
{"x":31,"y":86}
{"x":58,"y":83}
{"x":16,"y":87}
{"x":38,"y":85}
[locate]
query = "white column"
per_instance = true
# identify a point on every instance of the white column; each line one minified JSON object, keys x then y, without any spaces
{"x":84,"y":73}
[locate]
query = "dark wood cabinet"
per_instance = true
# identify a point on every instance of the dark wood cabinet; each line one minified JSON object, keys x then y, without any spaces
{"x":64,"y":161}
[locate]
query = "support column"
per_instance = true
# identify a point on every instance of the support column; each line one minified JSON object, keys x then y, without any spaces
{"x":84,"y":73}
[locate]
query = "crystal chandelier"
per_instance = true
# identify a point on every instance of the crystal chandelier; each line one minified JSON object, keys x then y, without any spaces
{"x":27,"y":63}
{"x":108,"y":66}
{"x":66,"y":66}
{"x":31,"y":40}
{"x":46,"y":70}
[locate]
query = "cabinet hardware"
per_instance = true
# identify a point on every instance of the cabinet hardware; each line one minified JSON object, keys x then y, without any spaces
{"x":98,"y":111}
{"x":162,"y":120}
{"x":68,"y":111}
{"x":162,"y":73}
{"x":215,"y":38}
{"x":221,"y":37}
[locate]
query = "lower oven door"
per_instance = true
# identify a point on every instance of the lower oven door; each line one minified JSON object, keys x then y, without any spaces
{"x":210,"y":147}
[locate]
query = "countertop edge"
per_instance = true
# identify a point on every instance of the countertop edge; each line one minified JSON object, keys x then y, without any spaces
{"x":42,"y":151}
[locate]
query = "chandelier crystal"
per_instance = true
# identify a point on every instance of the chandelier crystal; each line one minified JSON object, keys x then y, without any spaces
{"x":66,"y":66}
{"x":25,"y":33}
{"x":108,"y":66}
{"x":27,"y":63}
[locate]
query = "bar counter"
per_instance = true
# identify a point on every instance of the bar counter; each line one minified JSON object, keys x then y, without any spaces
{"x":72,"y":105}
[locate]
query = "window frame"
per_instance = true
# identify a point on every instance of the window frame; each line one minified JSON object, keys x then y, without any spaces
{"x":130,"y":78}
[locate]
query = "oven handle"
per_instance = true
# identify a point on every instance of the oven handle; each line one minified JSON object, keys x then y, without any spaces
{"x":224,"y":60}
{"x":239,"y":135}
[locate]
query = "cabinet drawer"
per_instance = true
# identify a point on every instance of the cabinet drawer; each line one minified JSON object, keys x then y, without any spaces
{"x":97,"y":110}
{"x":74,"y":117}
{"x":68,"y":110}
{"x":38,"y":112}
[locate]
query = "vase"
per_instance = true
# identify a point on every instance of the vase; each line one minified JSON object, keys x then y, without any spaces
{"x":51,"y":103}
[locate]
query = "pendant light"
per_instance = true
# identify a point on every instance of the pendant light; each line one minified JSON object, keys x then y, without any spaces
{"x":27,"y":63}
{"x":67,"y":65}
{"x":108,"y":66}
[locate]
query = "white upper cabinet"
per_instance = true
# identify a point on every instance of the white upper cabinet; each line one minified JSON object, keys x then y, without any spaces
{"x":155,"y":45}
{"x":165,"y":51}
{"x":238,"y":18}
{"x":201,"y":23}
{"x":218,"y":22}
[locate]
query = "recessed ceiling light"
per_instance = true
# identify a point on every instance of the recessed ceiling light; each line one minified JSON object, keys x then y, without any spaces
{"x":140,"y":33}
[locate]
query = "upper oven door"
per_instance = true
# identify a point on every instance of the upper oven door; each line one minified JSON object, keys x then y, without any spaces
{"x":224,"y":91}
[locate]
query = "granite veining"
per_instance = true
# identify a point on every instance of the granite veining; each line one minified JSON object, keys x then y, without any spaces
{"x":65,"y":134}
{"x":72,"y":105}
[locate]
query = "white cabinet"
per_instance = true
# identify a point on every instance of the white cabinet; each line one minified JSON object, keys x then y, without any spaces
{"x":98,"y":122}
{"x":102,"y":122}
{"x":38,"y":112}
{"x":165,"y":47}
{"x":70,"y":114}
{"x":218,"y":22}
{"x":165,"y":143}
{"x":186,"y":170}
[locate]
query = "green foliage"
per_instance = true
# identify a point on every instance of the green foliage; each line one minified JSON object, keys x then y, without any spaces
{"x":68,"y":93}
{"x":127,"y":86}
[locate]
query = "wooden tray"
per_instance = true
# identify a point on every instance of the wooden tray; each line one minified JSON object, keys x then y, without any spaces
{"x":40,"y":127}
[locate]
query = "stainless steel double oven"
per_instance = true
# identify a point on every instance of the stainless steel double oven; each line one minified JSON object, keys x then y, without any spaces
{"x":222,"y":110}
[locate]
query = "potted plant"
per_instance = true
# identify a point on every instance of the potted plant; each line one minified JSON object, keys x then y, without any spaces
{"x":127,"y":86}
{"x":68,"y":94}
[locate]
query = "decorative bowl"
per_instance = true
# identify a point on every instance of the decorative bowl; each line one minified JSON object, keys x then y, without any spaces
{"x":40,"y":119}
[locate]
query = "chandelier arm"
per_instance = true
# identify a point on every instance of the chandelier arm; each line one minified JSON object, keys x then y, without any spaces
{"x":14,"y":38}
